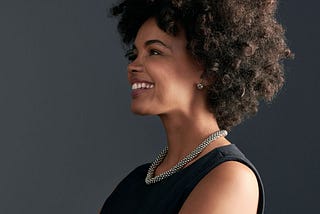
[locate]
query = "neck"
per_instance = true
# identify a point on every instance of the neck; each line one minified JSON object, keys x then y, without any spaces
{"x":185,"y":131}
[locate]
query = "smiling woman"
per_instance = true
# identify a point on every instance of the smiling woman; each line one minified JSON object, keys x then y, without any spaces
{"x":163,"y":62}
{"x":202,"y":67}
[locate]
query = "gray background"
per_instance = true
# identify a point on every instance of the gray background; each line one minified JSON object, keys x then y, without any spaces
{"x":67,"y":136}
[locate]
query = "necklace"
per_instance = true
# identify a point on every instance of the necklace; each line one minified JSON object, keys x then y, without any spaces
{"x":192,"y":155}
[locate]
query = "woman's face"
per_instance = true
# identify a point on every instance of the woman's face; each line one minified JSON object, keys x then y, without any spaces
{"x":162,"y":73}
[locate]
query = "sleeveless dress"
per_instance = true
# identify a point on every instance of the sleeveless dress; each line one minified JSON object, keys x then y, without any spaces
{"x":134,"y":196}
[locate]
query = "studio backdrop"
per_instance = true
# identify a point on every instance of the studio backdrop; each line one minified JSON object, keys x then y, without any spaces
{"x":67,"y":136}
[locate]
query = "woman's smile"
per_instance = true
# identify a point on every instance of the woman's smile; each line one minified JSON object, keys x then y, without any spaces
{"x":140,"y":87}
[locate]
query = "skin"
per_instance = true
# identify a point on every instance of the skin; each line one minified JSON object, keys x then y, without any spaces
{"x":163,"y":60}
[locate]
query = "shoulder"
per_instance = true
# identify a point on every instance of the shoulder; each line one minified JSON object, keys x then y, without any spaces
{"x":231,"y":187}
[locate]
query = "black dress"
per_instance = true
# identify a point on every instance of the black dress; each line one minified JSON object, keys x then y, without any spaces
{"x":134,"y":196}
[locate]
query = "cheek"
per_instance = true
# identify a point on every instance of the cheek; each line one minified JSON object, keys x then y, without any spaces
{"x":173,"y":81}
{"x":173,"y":88}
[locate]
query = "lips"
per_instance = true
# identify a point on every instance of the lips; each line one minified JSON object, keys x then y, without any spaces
{"x":140,"y":86}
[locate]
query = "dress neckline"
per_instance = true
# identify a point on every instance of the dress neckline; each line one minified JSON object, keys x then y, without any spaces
{"x":213,"y":152}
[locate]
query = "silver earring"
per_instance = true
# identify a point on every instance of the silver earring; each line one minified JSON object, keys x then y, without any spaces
{"x":200,"y":86}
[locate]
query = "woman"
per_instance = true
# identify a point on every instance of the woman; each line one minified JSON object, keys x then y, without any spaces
{"x":202,"y":67}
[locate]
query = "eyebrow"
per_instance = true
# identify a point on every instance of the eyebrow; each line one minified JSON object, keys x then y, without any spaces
{"x":154,"y":41}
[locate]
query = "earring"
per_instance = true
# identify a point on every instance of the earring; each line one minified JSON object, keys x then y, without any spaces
{"x":200,"y":86}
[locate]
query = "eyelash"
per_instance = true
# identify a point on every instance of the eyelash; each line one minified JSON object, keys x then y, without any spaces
{"x":154,"y":51}
{"x":131,"y":55}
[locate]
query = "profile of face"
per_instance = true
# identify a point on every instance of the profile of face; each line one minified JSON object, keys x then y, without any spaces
{"x":162,"y":73}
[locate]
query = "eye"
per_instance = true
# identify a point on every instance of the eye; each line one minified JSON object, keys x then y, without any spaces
{"x":131,"y":55}
{"x":154,"y":52}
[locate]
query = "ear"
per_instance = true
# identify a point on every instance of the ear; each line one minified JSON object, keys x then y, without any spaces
{"x":200,"y":68}
{"x":208,"y":78}
{"x":210,"y":75}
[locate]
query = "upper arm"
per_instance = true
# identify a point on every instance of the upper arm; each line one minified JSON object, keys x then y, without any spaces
{"x":230,"y":188}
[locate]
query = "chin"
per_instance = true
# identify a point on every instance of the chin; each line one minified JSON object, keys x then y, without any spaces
{"x":141,"y":110}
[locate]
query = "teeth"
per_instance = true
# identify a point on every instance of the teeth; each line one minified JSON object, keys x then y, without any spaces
{"x":142,"y":86}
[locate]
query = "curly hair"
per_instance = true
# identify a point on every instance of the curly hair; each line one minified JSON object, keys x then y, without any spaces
{"x":239,"y":43}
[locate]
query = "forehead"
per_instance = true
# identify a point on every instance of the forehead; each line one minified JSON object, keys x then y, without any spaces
{"x":149,"y":30}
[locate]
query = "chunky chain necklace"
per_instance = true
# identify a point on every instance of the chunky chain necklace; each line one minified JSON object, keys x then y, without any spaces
{"x":150,"y":179}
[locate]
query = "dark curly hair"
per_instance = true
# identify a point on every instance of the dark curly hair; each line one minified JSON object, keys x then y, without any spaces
{"x":239,"y":43}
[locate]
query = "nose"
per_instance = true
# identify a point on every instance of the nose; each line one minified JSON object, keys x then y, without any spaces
{"x":135,"y":66}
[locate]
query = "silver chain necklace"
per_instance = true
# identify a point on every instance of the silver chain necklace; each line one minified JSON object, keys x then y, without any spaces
{"x":151,"y":180}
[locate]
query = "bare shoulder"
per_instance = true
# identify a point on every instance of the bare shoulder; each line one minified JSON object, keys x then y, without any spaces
{"x":231,"y":187}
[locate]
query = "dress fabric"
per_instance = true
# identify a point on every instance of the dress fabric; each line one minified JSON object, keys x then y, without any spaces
{"x":133,"y":195}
